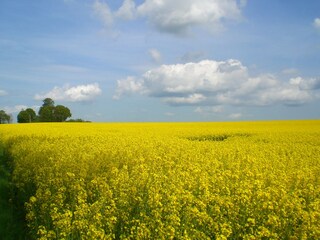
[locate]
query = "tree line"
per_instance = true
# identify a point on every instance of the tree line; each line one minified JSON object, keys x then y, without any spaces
{"x":48,"y":112}
{"x":4,"y":117}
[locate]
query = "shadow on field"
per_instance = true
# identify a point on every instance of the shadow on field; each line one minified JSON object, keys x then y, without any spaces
{"x":12,"y":223}
{"x":217,"y":138}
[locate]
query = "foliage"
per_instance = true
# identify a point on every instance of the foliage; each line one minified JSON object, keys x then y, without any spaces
{"x":61,"y":113}
{"x":27,"y":116}
{"x":248,"y":180}
{"x":4,"y":117}
{"x":48,"y":112}
{"x":48,"y":102}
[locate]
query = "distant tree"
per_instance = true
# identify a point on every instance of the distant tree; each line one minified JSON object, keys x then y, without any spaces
{"x":32,"y":115}
{"x":48,"y":112}
{"x":4,"y":117}
{"x":26,"y":116}
{"x":61,"y":113}
{"x":23,"y":117}
{"x":48,"y":102}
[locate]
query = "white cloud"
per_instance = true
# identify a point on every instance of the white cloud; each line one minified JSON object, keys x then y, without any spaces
{"x":187,"y":79}
{"x":127,"y":11}
{"x":15,"y":109}
{"x":175,"y":17}
{"x":178,"y":16}
{"x":306,"y":84}
{"x":285,"y":94}
{"x":3,"y":93}
{"x":212,"y":83}
{"x":128,"y":85}
{"x":80,"y":93}
{"x":102,"y":10}
{"x":316,"y":23}
{"x":155,"y":55}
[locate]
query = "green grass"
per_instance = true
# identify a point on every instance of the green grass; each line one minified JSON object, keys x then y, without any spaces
{"x":12,"y":225}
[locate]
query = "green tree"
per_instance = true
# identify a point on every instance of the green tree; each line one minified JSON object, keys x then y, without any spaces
{"x":48,"y":112}
{"x":4,"y":117}
{"x":61,"y":113}
{"x":26,"y":116}
{"x":48,"y":102}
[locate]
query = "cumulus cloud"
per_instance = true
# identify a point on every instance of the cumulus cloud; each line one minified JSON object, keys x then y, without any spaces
{"x":80,"y":93}
{"x":187,"y":79}
{"x":178,"y":16}
{"x":316,"y":23}
{"x":128,"y":86}
{"x":3,"y":93}
{"x":217,"y":83}
{"x":306,"y":84}
{"x":175,"y":17}
{"x":155,"y":55}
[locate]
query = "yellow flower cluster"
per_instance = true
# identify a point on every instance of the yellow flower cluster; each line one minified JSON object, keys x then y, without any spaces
{"x":245,"y":180}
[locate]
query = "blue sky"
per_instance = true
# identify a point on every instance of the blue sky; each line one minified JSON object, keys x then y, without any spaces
{"x":162,"y":60}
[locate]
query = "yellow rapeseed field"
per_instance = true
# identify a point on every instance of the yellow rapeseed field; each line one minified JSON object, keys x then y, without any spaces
{"x":236,"y":180}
